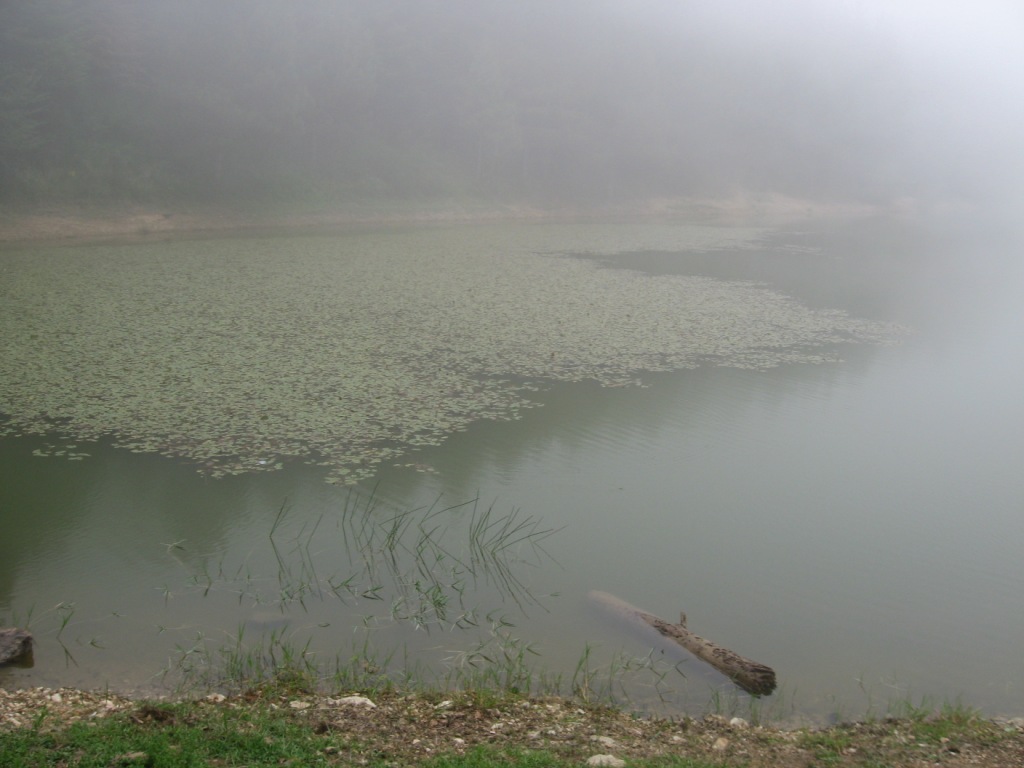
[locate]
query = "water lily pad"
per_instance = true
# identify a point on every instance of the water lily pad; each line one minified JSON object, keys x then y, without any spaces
{"x":345,"y":351}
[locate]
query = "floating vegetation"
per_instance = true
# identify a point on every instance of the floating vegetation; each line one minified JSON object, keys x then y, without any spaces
{"x":55,"y":449}
{"x":240,"y":355}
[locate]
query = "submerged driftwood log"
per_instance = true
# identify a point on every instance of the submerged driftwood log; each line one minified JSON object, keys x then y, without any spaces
{"x":15,"y":647}
{"x":749,"y":675}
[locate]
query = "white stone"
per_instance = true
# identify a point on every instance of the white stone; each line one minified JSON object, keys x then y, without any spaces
{"x":721,"y":744}
{"x":607,"y":741}
{"x":739,"y":722}
{"x":606,"y":760}
{"x":355,"y":701}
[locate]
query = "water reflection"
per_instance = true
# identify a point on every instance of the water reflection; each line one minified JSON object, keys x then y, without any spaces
{"x":856,"y":525}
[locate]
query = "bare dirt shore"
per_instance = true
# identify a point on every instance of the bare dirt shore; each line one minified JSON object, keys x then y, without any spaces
{"x":408,"y":729}
{"x":77,"y":224}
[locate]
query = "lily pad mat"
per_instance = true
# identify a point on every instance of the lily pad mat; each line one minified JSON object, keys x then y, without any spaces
{"x":345,"y":350}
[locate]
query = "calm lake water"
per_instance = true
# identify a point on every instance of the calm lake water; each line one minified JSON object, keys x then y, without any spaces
{"x":856,"y":525}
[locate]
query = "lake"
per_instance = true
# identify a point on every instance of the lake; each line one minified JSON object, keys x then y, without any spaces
{"x":416,"y":451}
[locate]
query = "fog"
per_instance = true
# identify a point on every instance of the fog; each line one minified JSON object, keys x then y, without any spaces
{"x":890,"y":103}
{"x":775,"y":486}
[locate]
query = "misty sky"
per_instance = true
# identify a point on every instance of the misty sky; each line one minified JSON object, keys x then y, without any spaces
{"x":593,"y":100}
{"x":938,"y":80}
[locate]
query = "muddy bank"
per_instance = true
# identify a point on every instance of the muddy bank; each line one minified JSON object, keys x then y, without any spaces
{"x":73,"y":224}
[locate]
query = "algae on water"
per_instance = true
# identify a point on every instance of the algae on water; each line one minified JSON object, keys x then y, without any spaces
{"x":345,"y":350}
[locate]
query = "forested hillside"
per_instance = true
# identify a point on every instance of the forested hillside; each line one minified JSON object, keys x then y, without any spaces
{"x":593,"y":102}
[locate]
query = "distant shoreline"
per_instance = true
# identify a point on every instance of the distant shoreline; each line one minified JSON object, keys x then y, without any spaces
{"x":78,"y":224}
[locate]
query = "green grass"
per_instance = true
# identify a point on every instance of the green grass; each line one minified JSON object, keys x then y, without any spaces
{"x":187,"y":747}
{"x":928,"y":727}
{"x":264,"y":728}
{"x":190,"y":735}
{"x":234,"y":743}
{"x":827,"y":746}
{"x":168,"y":736}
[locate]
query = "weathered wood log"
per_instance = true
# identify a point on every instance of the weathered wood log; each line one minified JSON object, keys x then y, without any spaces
{"x":749,"y":675}
{"x":15,"y":647}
